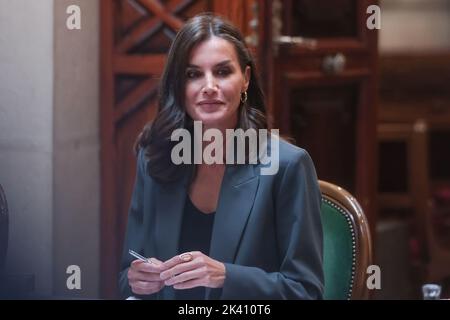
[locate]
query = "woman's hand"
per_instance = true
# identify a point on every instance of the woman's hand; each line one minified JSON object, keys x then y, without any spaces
{"x":144,"y":277}
{"x":193,"y":269}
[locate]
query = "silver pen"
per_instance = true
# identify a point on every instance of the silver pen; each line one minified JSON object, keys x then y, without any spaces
{"x":138,"y":256}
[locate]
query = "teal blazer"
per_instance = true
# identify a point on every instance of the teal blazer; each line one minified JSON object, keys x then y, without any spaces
{"x":267,"y":229}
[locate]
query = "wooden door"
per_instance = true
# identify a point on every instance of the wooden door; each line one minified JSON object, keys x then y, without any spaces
{"x":135,"y":38}
{"x":321,"y":62}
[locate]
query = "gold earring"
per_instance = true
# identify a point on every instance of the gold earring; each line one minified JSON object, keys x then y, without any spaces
{"x":244,"y":97}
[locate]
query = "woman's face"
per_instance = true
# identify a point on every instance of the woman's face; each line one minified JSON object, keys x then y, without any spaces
{"x":214,"y":83}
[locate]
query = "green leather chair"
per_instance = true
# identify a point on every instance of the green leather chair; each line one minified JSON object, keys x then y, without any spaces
{"x":347,"y":244}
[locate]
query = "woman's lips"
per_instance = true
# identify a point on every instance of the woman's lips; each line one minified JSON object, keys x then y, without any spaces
{"x":210,"y":106}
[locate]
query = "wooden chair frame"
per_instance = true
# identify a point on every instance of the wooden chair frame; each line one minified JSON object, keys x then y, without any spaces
{"x":348,"y":206}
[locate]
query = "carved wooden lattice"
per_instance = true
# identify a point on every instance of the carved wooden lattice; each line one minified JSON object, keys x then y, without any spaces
{"x":143,"y":32}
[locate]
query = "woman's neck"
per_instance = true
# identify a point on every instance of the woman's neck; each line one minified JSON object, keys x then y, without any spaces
{"x":222,"y":127}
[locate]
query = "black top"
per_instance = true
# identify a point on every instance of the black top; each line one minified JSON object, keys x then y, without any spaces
{"x":195,"y":235}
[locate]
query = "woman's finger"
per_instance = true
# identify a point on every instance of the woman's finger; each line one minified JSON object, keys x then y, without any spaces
{"x":180,"y":268}
{"x":179,"y":259}
{"x":146,"y":266}
{"x":186,"y":276}
{"x":143,"y":288}
{"x":143,"y":276}
{"x":145,"y":285}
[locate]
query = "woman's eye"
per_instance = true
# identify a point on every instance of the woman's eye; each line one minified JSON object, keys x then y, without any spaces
{"x":223,"y":72}
{"x":192,"y":74}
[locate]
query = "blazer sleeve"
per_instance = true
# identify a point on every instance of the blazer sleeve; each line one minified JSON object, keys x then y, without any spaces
{"x":300,"y":242}
{"x":134,"y":233}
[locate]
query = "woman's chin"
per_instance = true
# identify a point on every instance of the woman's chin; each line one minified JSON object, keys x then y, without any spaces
{"x":211,"y":119}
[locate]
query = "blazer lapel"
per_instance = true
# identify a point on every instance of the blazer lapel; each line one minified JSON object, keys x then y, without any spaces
{"x":237,"y":195}
{"x":169,"y":213}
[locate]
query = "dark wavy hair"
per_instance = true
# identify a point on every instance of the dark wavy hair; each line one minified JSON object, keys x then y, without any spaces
{"x":171,"y":115}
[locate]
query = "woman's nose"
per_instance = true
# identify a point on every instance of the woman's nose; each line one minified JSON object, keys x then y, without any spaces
{"x":210,"y":86}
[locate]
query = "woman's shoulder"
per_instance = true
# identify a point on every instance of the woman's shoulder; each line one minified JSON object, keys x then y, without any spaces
{"x":290,"y":153}
{"x":283,"y":155}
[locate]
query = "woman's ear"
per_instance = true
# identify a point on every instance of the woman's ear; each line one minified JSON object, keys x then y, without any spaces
{"x":247,"y":76}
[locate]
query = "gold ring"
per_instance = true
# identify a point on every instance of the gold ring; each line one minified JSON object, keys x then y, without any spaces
{"x":186,"y":257}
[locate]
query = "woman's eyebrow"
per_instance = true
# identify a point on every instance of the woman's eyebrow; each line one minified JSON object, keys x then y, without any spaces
{"x":223,"y":63}
{"x":220,"y":64}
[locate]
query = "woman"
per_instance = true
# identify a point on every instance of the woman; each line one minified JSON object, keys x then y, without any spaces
{"x":219,"y":231}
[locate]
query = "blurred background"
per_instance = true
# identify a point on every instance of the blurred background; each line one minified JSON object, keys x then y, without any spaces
{"x":371,"y":105}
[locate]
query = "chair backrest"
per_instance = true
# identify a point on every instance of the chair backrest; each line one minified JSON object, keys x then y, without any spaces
{"x":3,"y":228}
{"x":347,"y":244}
